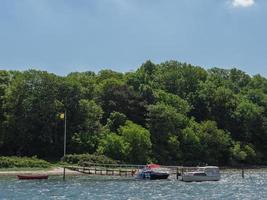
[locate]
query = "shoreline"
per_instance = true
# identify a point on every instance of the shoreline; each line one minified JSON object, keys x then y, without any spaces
{"x":56,"y":171}
{"x":51,"y":172}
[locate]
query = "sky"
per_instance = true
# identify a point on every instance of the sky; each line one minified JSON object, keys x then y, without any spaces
{"x":63,"y":36}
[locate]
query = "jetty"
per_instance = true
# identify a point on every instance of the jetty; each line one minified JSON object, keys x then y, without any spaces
{"x":125,"y":170}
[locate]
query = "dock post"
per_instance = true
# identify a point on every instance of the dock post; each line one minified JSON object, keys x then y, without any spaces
{"x":182,"y":173}
{"x":177,"y":175}
{"x":64,"y":174}
{"x":243,"y":172}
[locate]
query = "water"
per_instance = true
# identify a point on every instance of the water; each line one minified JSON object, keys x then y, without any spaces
{"x":231,"y":186}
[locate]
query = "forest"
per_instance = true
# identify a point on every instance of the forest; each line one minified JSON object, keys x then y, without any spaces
{"x":170,"y":113}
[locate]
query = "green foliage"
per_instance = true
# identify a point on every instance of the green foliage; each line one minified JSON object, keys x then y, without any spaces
{"x":165,"y":124}
{"x":137,"y":140}
{"x":175,"y":101}
{"x":114,"y":146}
{"x":114,"y":95}
{"x":191,"y":144}
{"x":82,"y":159}
{"x":86,"y":82}
{"x":247,"y":111}
{"x":23,"y":162}
{"x":180,"y":78}
{"x":243,"y":154}
{"x":215,"y":143}
{"x":248,"y":117}
{"x":131,"y":144}
{"x":89,"y":132}
{"x":30,"y":113}
{"x":116,"y":120}
{"x":178,"y":114}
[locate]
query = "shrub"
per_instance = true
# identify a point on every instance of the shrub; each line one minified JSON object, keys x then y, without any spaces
{"x":81,"y":159}
{"x":21,"y":162}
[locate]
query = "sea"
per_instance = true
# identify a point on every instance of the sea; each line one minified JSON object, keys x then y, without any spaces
{"x":231,"y":186}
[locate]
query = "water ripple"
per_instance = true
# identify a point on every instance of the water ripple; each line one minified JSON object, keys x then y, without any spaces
{"x":232,"y":186}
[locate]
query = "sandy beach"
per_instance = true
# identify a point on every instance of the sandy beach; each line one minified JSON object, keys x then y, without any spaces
{"x":53,"y":171}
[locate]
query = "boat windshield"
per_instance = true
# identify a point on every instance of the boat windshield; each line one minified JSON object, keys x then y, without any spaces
{"x":200,"y":174}
{"x":209,"y":170}
{"x":200,"y":169}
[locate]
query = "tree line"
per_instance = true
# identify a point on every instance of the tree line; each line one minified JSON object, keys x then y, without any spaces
{"x":170,"y":113}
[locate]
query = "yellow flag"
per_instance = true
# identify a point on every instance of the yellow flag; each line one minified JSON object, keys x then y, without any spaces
{"x":61,"y":116}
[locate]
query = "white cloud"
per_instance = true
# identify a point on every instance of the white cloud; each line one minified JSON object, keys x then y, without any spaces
{"x":243,"y":3}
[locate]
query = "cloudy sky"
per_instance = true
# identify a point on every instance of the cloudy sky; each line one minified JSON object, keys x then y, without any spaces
{"x":62,"y":36}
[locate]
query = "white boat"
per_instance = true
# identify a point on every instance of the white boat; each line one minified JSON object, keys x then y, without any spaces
{"x":208,"y":173}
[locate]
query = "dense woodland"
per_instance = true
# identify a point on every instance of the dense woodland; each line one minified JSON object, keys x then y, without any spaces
{"x":170,"y":113}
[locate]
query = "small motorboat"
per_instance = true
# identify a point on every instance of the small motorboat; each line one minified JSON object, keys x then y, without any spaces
{"x":31,"y":177}
{"x":153,"y":172}
{"x":208,"y":173}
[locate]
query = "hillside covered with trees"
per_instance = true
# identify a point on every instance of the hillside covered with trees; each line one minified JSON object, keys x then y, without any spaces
{"x":170,"y":113}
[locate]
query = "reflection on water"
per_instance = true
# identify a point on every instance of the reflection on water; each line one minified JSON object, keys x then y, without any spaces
{"x":231,"y":186}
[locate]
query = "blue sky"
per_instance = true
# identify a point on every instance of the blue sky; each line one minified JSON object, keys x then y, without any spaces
{"x":63,"y":36}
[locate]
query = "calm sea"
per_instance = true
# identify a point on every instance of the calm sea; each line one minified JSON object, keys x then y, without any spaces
{"x":231,"y":186}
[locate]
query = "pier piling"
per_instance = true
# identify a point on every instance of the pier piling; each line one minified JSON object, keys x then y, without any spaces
{"x":64,"y":174}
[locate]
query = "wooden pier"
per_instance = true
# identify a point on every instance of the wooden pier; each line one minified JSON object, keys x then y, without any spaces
{"x":107,"y":169}
{"x":123,"y":169}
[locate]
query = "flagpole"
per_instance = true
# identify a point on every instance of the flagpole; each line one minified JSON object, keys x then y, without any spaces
{"x":65,"y":131}
{"x":65,"y":138}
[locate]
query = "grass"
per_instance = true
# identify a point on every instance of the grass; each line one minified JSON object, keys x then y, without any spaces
{"x":24,"y":169}
{"x":23,"y":162}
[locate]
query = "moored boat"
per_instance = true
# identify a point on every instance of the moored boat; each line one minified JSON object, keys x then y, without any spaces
{"x":31,"y":176}
{"x":208,"y":173}
{"x":153,"y":172}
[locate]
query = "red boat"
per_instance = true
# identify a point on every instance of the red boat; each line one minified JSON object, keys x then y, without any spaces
{"x":30,"y":177}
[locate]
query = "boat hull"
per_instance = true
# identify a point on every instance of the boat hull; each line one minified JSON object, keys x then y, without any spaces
{"x":153,"y":175}
{"x":158,"y":176}
{"x":188,"y":178}
{"x":32,"y":177}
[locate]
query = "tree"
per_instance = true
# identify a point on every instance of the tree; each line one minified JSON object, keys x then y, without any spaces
{"x":109,"y":74}
{"x":172,"y":113}
{"x":88,"y":133}
{"x":248,"y":118}
{"x":216,"y":103}
{"x":5,"y":79}
{"x":114,"y":146}
{"x":181,"y":106}
{"x":116,"y":120}
{"x":165,"y":125}
{"x":239,"y":79}
{"x":180,"y":78}
{"x":132,"y":144}
{"x":116,"y":96}
{"x":258,"y":82}
{"x":243,"y":154}
{"x":191,"y":147}
{"x":215,"y":142}
{"x":86,"y":81}
{"x":31,"y":110}
{"x":143,"y":76}
{"x":138,"y":140}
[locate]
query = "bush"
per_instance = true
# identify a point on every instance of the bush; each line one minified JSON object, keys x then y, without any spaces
{"x":80,"y":159}
{"x":23,"y":162}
